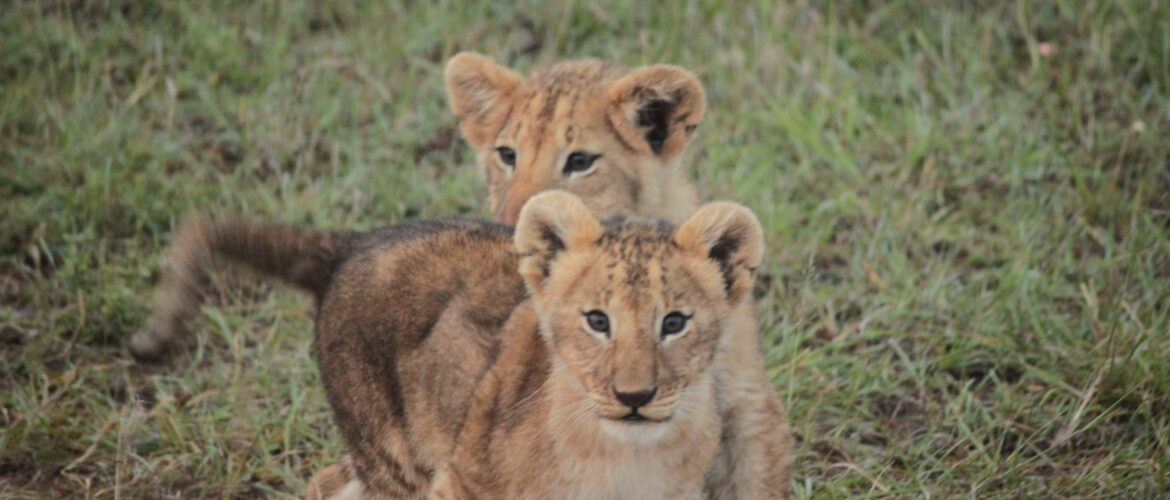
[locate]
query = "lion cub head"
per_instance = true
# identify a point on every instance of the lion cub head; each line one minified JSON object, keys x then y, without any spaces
{"x":634,"y":310}
{"x":609,"y":136}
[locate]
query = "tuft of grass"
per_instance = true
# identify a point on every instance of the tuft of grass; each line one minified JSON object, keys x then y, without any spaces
{"x":967,"y":207}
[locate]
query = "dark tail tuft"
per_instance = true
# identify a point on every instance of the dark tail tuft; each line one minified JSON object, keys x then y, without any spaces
{"x":305,"y":259}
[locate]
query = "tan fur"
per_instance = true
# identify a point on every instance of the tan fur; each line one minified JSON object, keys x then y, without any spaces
{"x":638,"y":121}
{"x":531,"y":412}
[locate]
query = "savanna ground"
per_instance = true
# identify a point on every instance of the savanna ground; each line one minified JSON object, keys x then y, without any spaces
{"x":967,"y":207}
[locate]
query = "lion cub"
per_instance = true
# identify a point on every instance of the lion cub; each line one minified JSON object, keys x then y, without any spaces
{"x":599,"y":383}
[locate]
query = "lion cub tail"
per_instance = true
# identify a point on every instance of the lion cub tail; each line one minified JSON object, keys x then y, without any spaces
{"x":302,"y":258}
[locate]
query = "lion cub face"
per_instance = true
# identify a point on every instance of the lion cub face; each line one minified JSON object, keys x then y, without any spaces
{"x":634,"y":310}
{"x":580,"y":126}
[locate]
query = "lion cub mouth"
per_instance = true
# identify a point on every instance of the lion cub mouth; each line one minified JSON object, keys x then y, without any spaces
{"x":636,"y":418}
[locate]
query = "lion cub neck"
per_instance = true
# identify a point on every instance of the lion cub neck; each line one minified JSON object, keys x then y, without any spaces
{"x":604,"y":459}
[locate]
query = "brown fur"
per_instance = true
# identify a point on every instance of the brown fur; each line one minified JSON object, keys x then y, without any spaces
{"x":303,"y":258}
{"x":574,"y":106}
{"x":436,"y":361}
{"x":335,"y":482}
{"x":638,"y":121}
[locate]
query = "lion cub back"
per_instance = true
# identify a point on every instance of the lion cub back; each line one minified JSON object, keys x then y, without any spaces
{"x":404,"y":331}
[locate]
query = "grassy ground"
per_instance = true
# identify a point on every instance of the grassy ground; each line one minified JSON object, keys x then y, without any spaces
{"x":967,"y":208}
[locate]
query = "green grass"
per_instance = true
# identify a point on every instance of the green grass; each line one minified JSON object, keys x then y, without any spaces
{"x":967,"y":207}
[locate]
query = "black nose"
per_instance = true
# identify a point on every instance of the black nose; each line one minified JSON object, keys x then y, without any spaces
{"x":635,"y":399}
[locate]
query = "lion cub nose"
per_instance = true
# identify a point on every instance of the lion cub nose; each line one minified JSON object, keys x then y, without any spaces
{"x":636,"y":398}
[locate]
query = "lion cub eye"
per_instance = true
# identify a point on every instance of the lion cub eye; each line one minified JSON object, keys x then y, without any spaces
{"x":674,"y":323}
{"x":507,"y":155}
{"x":579,"y":162}
{"x":598,"y":322}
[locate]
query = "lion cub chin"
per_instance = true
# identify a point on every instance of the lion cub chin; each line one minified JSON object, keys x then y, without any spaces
{"x":603,"y":386}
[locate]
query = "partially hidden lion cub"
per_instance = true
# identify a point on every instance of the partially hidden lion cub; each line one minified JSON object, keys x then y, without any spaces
{"x":587,"y":374}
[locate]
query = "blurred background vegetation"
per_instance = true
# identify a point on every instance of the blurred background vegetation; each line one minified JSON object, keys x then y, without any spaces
{"x":967,"y":207}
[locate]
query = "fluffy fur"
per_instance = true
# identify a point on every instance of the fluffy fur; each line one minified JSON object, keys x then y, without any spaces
{"x":638,"y":122}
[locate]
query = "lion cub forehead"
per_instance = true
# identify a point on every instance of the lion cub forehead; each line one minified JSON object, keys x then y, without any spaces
{"x":628,"y":230}
{"x":641,"y":259}
{"x":581,"y":72}
{"x":636,"y":241}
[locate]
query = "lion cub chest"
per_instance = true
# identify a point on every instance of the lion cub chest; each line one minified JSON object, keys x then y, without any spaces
{"x":659,"y":470}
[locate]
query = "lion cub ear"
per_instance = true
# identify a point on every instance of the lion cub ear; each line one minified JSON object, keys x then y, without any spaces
{"x":478,"y":90}
{"x":657,"y":106}
{"x":550,"y":223}
{"x":729,"y":234}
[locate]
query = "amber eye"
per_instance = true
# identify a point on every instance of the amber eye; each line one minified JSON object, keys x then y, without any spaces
{"x":507,"y":155}
{"x":598,"y":322}
{"x":674,"y":323}
{"x":579,"y":162}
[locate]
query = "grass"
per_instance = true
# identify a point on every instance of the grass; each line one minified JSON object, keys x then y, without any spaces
{"x":967,"y":208}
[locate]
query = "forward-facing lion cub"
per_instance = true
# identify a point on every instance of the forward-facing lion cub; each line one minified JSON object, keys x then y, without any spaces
{"x":596,"y":383}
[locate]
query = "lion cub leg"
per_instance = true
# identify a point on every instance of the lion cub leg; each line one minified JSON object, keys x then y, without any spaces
{"x":447,"y":486}
{"x":755,"y":451}
{"x":340,"y":481}
{"x":383,"y":460}
{"x":335,"y":482}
